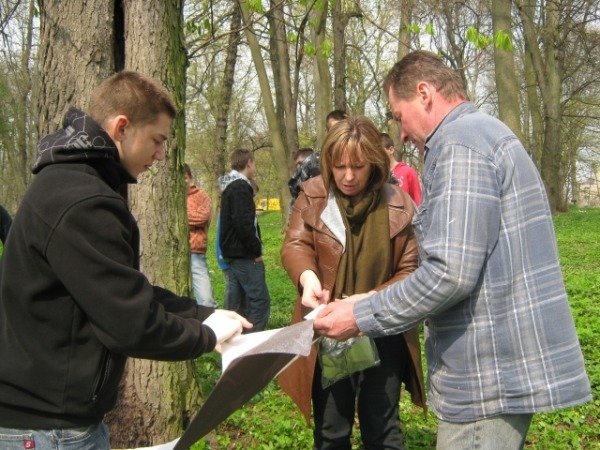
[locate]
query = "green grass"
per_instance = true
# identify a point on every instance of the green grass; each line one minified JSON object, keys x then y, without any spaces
{"x":271,"y":421}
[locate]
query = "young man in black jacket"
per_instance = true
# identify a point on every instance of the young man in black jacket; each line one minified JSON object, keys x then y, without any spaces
{"x":241,"y":244}
{"x":73,"y":303}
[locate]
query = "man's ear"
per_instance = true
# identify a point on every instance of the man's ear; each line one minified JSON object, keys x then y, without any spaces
{"x":423,"y":91}
{"x":117,"y":127}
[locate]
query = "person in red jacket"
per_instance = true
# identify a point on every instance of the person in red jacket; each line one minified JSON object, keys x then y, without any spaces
{"x":407,"y":177}
{"x":198,"y":214}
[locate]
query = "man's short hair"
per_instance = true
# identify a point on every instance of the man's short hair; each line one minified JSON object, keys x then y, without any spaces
{"x":240,"y":158}
{"x":303,"y":152}
{"x":386,"y":140}
{"x":334,"y":116}
{"x":424,"y":66}
{"x":138,"y":97}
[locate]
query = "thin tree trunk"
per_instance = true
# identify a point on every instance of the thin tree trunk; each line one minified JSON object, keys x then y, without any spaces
{"x":286,"y":109}
{"x":279,"y":155}
{"x":339,"y":22}
{"x":505,"y":71}
{"x":220,"y":165}
{"x":547,"y":71}
{"x":322,"y":76}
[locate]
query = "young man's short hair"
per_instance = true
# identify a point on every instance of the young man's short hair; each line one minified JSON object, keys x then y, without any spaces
{"x":138,"y":97}
{"x":240,"y":158}
{"x":333,"y":117}
{"x":386,"y":140}
{"x":303,"y":153}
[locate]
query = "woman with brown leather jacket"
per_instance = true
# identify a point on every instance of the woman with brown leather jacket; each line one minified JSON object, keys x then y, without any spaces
{"x":350,"y":232}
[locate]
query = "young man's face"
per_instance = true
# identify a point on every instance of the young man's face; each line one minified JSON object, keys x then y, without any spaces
{"x":141,"y":145}
{"x":251,"y":169}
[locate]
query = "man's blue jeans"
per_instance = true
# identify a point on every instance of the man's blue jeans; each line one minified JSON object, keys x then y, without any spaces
{"x":201,"y":281}
{"x":506,"y":432}
{"x":248,"y":294}
{"x":95,"y":437}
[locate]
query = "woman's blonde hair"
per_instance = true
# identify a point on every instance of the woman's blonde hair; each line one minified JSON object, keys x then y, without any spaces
{"x":359,"y":137}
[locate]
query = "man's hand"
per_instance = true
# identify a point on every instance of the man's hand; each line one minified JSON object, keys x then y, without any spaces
{"x":337,"y":320}
{"x":226,"y":324}
{"x":313,"y":294}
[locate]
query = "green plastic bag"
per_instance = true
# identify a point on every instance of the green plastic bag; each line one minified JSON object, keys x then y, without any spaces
{"x":340,"y":359}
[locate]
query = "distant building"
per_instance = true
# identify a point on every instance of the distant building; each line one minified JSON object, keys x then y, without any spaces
{"x":589,"y":192}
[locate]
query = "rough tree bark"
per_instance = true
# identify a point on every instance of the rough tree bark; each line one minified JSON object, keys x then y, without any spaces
{"x":158,"y":398}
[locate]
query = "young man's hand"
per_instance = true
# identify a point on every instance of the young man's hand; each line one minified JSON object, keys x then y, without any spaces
{"x":226,"y":324}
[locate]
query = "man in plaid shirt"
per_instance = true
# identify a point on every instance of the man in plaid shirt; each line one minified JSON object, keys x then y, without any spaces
{"x":500,"y":339}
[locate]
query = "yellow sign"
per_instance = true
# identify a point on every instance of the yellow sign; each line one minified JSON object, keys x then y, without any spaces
{"x":268,"y":204}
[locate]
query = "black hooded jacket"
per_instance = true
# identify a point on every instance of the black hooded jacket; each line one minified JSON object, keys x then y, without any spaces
{"x":73,"y":303}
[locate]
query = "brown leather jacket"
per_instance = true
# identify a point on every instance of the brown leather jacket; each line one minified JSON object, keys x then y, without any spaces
{"x":313,"y":241}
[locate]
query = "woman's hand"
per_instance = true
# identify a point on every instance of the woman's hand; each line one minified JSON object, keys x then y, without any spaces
{"x":313,"y":294}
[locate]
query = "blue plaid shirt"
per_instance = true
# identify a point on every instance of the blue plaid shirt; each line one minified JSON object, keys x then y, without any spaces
{"x":500,"y":337}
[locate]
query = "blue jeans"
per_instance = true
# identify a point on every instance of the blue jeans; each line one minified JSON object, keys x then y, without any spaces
{"x":95,"y":437}
{"x":506,"y":432}
{"x":201,"y":281}
{"x":247,"y":292}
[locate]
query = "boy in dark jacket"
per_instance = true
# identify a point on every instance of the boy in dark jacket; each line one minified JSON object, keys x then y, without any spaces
{"x":73,"y":303}
{"x":240,"y":242}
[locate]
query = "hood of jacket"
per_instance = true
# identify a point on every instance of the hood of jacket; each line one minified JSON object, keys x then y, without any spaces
{"x":82,"y":140}
{"x":229,"y":178}
{"x":79,"y":139}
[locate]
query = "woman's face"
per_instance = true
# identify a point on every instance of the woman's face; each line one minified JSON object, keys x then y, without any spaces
{"x":351,"y":178}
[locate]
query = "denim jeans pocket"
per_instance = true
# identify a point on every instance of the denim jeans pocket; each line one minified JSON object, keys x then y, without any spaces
{"x":11,"y":439}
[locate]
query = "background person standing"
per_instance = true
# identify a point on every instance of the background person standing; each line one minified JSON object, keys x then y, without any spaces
{"x":407,"y":177}
{"x":198,"y":215}
{"x":241,"y":244}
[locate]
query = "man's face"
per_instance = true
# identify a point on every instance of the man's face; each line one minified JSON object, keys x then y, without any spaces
{"x":251,"y":169}
{"x":144,"y":144}
{"x":412,"y":118}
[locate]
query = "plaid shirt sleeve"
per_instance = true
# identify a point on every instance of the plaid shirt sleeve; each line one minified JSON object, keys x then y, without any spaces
{"x":457,"y":226}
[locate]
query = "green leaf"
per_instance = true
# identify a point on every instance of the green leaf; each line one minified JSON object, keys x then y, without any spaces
{"x":326,"y":49}
{"x":429,"y":29}
{"x":503,"y":41}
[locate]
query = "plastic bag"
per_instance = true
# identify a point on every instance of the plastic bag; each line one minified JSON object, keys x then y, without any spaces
{"x":340,"y":359}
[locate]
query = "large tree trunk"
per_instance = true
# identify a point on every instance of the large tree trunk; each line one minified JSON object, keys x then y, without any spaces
{"x":76,"y":54}
{"x":158,"y":398}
